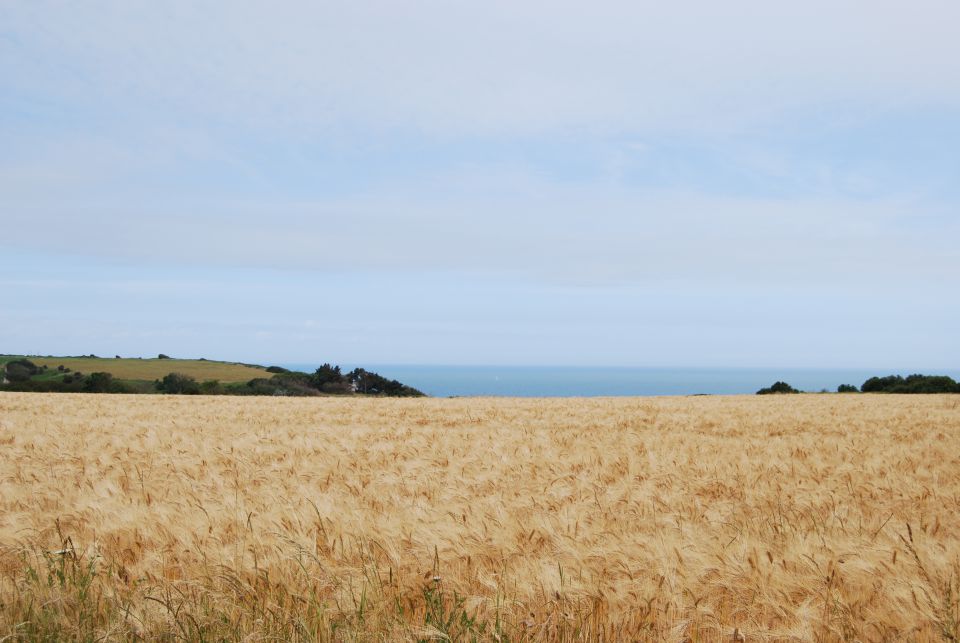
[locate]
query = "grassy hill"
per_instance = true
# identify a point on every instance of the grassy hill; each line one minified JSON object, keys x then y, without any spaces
{"x":133,"y":369}
{"x":91,"y":374}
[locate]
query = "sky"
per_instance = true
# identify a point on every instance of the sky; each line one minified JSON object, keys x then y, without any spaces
{"x":530,"y":183}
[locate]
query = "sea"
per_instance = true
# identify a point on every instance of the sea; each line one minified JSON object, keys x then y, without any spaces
{"x":580,"y":381}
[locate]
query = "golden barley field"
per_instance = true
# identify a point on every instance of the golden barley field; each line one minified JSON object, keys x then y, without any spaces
{"x":778,"y":518}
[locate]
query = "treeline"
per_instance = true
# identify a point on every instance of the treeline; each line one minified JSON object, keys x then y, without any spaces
{"x":23,"y":375}
{"x":326,"y":380}
{"x":911,"y":384}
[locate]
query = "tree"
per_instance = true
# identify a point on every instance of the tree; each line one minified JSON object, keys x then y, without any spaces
{"x":329,"y":379}
{"x":368,"y":383}
{"x":98,"y":383}
{"x":847,"y":388}
{"x":882,"y":384}
{"x":178,"y":384}
{"x":778,"y":387}
{"x":20,"y":370}
{"x":915,"y":383}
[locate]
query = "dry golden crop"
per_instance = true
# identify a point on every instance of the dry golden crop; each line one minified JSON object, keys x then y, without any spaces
{"x":803,"y":517}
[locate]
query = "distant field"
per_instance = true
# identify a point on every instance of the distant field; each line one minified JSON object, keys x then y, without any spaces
{"x":152,"y":369}
{"x":780,"y":518}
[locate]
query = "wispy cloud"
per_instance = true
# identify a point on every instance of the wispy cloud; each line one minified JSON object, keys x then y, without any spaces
{"x":455,"y":68}
{"x":611,"y":149}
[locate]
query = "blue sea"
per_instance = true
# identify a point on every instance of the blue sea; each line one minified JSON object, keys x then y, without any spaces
{"x":559,"y":381}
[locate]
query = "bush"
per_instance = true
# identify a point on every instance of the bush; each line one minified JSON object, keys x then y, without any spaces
{"x":46,"y":386}
{"x":178,"y":384}
{"x":162,"y":356}
{"x":294,"y":383}
{"x":847,"y":388}
{"x":778,"y":387}
{"x":263,"y":386}
{"x":211,"y":387}
{"x":290,"y":384}
{"x":277,"y":369}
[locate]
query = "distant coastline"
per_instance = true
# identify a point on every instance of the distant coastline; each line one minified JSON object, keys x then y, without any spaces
{"x":202,"y":376}
{"x":574,"y":381}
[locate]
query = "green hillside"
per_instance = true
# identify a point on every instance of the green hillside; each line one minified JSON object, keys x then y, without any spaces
{"x":92,"y":374}
{"x":132,"y":369}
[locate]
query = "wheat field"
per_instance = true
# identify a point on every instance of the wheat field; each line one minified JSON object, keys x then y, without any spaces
{"x":779,"y":518}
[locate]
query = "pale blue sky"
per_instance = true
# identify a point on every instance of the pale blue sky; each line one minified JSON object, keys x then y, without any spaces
{"x":612,"y":183}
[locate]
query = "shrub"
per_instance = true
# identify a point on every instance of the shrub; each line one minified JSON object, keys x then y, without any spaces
{"x":294,"y":383}
{"x":847,"y":388}
{"x":263,"y":386}
{"x":778,"y":387}
{"x":290,"y":383}
{"x":211,"y":387}
{"x":162,"y":356}
{"x":46,"y":386}
{"x":277,"y":369}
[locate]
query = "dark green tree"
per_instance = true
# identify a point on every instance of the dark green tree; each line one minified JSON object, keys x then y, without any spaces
{"x":915,"y":383}
{"x":367,"y":383}
{"x":882,"y":384}
{"x":178,"y":384}
{"x":329,"y":379}
{"x":326,"y":374}
{"x":20,"y":370}
{"x":98,"y":383}
{"x":778,"y":387}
